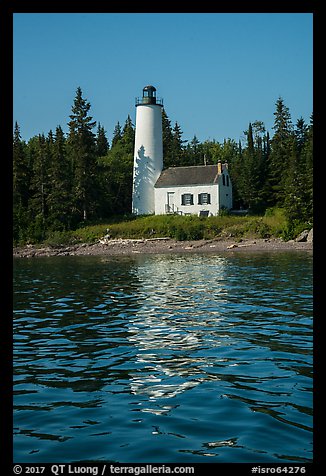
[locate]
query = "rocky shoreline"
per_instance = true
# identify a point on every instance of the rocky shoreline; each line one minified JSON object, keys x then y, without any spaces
{"x":111,"y":247}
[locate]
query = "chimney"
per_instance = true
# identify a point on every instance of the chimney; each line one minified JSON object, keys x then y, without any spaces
{"x":219,"y":167}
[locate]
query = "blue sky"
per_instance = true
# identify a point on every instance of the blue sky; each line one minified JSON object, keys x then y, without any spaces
{"x":216,"y":72}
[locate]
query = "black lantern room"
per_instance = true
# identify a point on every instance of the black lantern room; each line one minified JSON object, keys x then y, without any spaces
{"x":149,"y":97}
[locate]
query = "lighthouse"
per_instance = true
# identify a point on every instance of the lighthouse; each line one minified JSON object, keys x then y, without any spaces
{"x":148,"y":153}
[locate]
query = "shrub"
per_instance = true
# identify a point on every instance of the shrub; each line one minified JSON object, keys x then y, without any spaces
{"x":59,"y":238}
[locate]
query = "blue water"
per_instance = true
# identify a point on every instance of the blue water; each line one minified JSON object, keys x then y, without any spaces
{"x":163,"y":358}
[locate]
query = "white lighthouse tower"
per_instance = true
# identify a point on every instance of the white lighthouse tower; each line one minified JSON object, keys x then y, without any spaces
{"x":148,"y":154}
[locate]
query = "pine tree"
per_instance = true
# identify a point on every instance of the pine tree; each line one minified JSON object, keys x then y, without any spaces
{"x":82,"y":150}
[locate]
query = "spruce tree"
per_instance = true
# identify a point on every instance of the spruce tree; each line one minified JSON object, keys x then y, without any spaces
{"x":59,"y":198}
{"x":195,"y":156}
{"x":281,"y":150}
{"x":177,"y":155}
{"x":20,"y":186}
{"x":82,"y":151}
{"x":167,"y":136}
{"x":307,"y":159}
{"x":128,"y":136}
{"x":20,"y":170}
{"x":102,"y":144}
{"x":298,"y":197}
{"x":38,"y":206}
{"x":117,"y":135}
{"x":249,"y":176}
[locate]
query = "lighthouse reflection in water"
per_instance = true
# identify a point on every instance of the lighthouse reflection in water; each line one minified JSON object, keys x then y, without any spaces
{"x":174,"y":328}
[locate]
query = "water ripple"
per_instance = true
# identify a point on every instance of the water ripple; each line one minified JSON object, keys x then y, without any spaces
{"x":172,"y":358}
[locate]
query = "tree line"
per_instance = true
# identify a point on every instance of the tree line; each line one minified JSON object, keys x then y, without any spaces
{"x":61,"y":181}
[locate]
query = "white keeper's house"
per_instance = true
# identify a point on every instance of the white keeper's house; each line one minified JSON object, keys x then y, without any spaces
{"x":197,"y":190}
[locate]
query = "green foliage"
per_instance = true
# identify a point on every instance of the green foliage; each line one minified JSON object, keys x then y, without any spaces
{"x":60,"y":238}
{"x":36,"y":230}
{"x":293,"y":229}
{"x":178,"y":227}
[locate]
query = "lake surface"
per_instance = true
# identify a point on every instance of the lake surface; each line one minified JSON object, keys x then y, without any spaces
{"x":163,"y":358}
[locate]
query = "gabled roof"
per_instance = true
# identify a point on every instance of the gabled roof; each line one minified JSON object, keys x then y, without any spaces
{"x":195,"y":175}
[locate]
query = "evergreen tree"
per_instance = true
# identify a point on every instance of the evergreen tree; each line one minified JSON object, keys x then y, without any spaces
{"x":82,"y":150}
{"x":167,"y":137}
{"x":59,"y":198}
{"x":295,"y":197}
{"x":249,"y":176}
{"x":307,"y":158}
{"x":117,"y":170}
{"x":235,"y":170}
{"x":117,"y":135}
{"x":281,"y":150}
{"x":20,"y":170}
{"x":177,"y":146}
{"x":248,"y":170}
{"x":102,"y":144}
{"x":128,"y":136}
{"x":300,"y":133}
{"x":298,"y":197}
{"x":20,"y":186}
{"x":194,"y":155}
{"x":39,"y":190}
{"x":118,"y":176}
{"x":262,"y":150}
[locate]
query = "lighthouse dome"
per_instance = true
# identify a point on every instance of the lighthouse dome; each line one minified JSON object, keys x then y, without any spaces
{"x":149,"y":88}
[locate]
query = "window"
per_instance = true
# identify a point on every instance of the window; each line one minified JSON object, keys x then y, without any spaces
{"x":223,"y":178}
{"x":204,"y":199}
{"x":227,"y":181}
{"x":187,"y":199}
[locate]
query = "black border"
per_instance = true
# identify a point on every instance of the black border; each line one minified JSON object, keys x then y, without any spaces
{"x":7,"y":10}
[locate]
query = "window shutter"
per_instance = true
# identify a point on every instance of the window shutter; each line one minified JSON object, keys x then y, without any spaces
{"x":208,"y":199}
{"x":199,"y":198}
{"x":187,"y":199}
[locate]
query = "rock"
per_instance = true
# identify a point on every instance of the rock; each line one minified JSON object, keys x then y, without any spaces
{"x":303,"y":236}
{"x":310,"y":236}
{"x":232,"y":246}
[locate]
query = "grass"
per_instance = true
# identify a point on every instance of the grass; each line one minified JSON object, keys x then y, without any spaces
{"x":272,"y":224}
